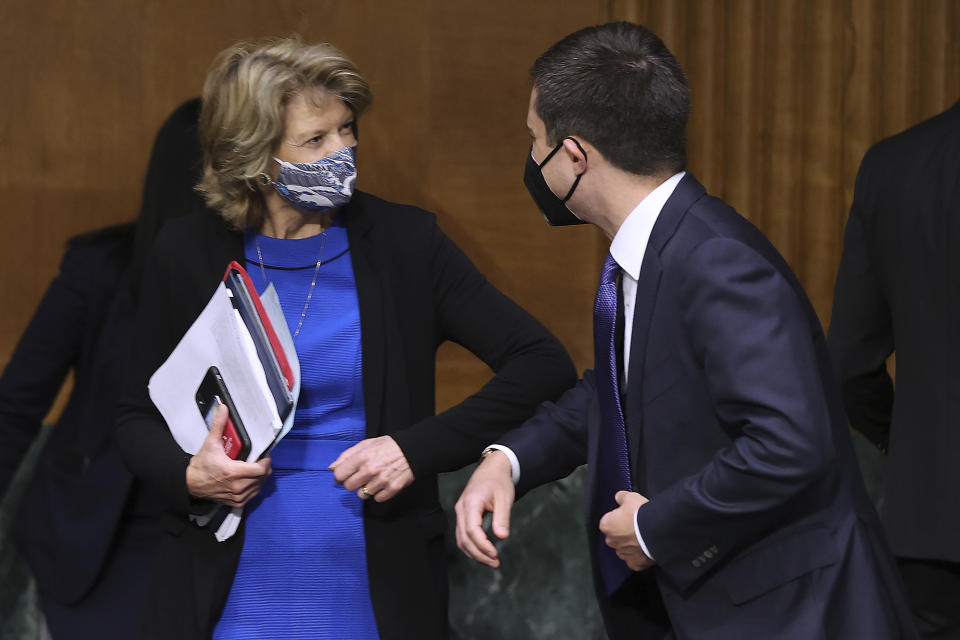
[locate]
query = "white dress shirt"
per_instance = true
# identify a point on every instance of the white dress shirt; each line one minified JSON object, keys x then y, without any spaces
{"x":628,"y":248}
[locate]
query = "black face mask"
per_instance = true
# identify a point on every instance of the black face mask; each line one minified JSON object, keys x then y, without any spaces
{"x":554,"y":209}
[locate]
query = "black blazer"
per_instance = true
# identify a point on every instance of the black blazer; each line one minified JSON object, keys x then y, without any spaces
{"x":416,"y":289}
{"x":758,"y":519}
{"x":72,"y":507}
{"x":898,"y":289}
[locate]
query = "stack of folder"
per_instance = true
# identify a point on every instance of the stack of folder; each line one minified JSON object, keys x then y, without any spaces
{"x":244,"y":338}
{"x":270,"y":353}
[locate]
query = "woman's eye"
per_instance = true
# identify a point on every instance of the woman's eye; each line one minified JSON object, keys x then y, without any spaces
{"x":314,"y":140}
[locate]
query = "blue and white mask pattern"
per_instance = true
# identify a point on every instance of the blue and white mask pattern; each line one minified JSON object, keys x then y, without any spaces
{"x":321,"y":185}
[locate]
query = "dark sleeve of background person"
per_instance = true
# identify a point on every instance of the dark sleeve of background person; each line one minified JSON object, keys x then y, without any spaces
{"x":175,"y":168}
{"x":61,"y":336}
{"x":861,"y":327}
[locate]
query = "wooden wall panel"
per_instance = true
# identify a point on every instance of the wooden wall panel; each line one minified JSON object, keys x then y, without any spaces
{"x":87,"y":84}
{"x":788,"y":95}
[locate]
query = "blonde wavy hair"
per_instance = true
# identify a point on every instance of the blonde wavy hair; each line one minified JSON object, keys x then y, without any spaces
{"x":245,"y":96}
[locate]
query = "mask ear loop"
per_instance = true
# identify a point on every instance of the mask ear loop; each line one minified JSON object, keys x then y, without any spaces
{"x":572,"y":189}
{"x":550,"y":155}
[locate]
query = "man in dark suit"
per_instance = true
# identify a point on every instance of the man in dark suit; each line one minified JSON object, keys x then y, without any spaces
{"x":898,"y":289}
{"x":723,"y":499}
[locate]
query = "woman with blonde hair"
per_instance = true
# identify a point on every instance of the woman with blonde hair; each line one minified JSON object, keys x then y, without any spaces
{"x":343,"y":532}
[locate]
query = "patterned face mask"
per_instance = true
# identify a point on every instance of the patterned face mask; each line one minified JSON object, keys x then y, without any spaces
{"x":321,"y":185}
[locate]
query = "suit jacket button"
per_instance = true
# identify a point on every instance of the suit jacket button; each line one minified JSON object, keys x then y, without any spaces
{"x":696,"y":563}
{"x":708,"y":554}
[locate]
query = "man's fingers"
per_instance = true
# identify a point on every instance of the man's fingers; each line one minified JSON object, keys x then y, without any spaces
{"x":470,"y":536}
{"x":489,"y":489}
{"x":487,"y":552}
{"x":604,"y":524}
{"x":620,"y":496}
{"x":501,"y":515}
{"x":471,"y":539}
{"x":461,"y":527}
{"x":468,"y":546}
{"x":474,"y":543}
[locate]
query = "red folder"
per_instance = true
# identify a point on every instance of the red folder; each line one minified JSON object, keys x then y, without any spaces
{"x":271,"y":353}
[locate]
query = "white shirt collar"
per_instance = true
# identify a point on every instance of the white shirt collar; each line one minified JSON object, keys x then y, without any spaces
{"x":630,"y":243}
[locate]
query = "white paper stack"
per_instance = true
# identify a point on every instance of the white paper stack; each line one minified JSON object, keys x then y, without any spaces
{"x":219,"y":338}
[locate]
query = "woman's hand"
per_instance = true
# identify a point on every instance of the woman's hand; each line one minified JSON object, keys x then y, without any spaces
{"x":214,"y":476}
{"x":375,"y":468}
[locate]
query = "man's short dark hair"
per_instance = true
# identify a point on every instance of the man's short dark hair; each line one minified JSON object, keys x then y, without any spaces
{"x":617,"y":86}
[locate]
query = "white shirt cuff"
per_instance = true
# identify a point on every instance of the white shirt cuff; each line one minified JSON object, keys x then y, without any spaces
{"x":636,"y":530}
{"x":514,"y":463}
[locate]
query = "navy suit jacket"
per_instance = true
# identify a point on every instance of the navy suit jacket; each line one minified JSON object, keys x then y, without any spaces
{"x":757,"y":518}
{"x":898,"y":288}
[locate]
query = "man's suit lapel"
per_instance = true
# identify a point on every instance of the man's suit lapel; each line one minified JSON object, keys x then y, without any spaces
{"x":370,"y":298}
{"x":686,"y":193}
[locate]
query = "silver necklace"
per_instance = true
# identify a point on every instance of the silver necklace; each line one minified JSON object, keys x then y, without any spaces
{"x":313,"y":283}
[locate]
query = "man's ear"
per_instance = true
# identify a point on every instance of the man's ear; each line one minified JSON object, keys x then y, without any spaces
{"x":578,"y":155}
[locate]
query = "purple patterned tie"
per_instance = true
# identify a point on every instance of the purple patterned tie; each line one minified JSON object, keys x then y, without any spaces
{"x":613,"y":473}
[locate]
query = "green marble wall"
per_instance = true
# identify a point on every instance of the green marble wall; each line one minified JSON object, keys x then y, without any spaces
{"x":543,"y":587}
{"x":20,"y":617}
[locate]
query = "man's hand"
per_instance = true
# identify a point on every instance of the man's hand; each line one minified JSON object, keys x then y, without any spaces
{"x":490,"y":489}
{"x":212,"y":475}
{"x":375,"y":468}
{"x":617,"y":526}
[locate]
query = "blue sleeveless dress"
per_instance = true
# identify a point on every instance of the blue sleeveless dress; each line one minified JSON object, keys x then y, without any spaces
{"x":303,"y":568}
